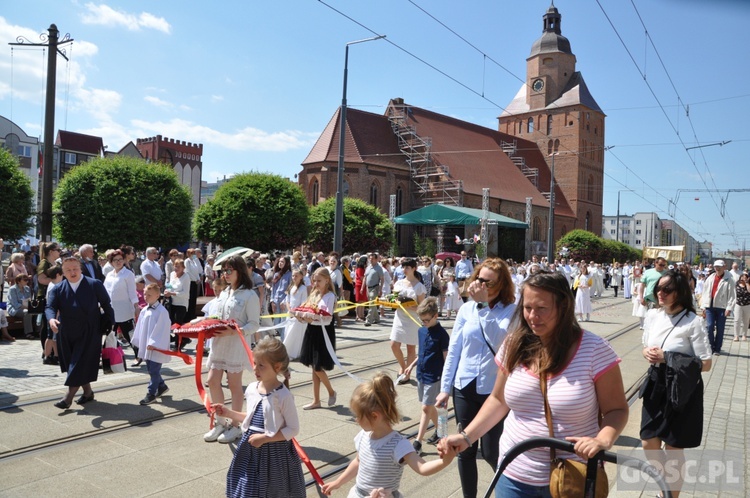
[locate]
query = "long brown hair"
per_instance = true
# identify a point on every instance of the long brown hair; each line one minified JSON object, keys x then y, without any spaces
{"x":237,"y":264}
{"x":522,"y":346}
{"x":507,"y":293}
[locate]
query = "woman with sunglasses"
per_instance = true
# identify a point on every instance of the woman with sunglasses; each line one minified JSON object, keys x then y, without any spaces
{"x":405,"y":329}
{"x":470,"y":369}
{"x":673,"y":328}
{"x":239,"y":303}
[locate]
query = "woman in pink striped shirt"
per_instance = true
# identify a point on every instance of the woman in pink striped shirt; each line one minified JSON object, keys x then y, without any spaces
{"x":583,"y":379}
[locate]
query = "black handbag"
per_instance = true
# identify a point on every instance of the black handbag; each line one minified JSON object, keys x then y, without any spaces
{"x":36,"y":306}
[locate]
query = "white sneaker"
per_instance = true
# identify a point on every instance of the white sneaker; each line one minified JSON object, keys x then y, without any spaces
{"x":230,"y":435}
{"x":214,"y":433}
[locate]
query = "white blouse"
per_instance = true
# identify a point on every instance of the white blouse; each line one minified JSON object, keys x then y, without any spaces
{"x":688,"y":336}
{"x":121,"y":289}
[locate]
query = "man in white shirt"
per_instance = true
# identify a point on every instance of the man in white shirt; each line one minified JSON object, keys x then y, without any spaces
{"x":150,"y":268}
{"x":735,"y":272}
{"x":464,"y":269}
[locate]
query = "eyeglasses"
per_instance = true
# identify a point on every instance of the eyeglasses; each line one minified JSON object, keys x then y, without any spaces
{"x":427,"y":319}
{"x":117,"y":260}
{"x":228,"y":271}
{"x":487,"y":282}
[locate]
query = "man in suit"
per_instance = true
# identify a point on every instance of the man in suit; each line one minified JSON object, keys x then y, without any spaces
{"x":89,"y":265}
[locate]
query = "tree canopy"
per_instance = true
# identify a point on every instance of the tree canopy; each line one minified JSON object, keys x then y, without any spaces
{"x":258,"y":210}
{"x":17,"y":198}
{"x":365,"y":228}
{"x":122,"y":200}
{"x":582,"y":244}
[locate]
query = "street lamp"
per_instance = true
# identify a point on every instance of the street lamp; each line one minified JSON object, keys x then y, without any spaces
{"x":617,"y":227}
{"x":338,"y":224}
{"x":551,"y":222}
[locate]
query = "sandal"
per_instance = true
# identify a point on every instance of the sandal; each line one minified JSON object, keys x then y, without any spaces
{"x":736,"y":339}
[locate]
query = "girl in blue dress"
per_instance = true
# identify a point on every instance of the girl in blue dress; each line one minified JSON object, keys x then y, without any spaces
{"x":266,"y":464}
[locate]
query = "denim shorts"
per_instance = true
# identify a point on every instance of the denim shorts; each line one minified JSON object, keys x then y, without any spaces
{"x":510,"y":488}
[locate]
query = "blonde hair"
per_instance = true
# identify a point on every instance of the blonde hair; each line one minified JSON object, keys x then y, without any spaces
{"x":153,"y":287}
{"x":315,"y":295}
{"x":274,"y":351}
{"x":376,"y":395}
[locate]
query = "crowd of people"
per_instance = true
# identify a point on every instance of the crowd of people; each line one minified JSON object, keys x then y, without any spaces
{"x":516,"y":364}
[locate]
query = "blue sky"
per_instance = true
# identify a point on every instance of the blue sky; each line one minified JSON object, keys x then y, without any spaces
{"x":256,"y":82}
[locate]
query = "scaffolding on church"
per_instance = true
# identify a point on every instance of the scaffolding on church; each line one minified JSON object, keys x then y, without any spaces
{"x":511,"y":150}
{"x":432,"y":181}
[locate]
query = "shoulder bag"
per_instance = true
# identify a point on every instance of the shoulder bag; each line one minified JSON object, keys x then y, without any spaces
{"x":36,"y":306}
{"x":567,"y":478}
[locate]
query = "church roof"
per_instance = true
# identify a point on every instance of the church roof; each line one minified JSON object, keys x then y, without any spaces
{"x":551,"y":41}
{"x":575,"y":93}
{"x":369,"y":140}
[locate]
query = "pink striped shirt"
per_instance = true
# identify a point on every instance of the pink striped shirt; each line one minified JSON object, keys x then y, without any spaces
{"x":572,"y":398}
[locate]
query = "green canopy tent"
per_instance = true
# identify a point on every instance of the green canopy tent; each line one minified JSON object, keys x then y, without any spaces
{"x":510,"y":232}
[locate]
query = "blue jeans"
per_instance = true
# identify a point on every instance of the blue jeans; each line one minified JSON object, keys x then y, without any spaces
{"x":154,"y":371}
{"x":508,"y":488}
{"x":716,"y":317}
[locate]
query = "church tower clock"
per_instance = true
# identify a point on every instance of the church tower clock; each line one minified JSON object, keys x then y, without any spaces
{"x":555,"y":109}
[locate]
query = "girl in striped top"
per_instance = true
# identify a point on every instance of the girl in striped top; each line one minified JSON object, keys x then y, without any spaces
{"x":381,"y":451}
{"x":583,"y":379}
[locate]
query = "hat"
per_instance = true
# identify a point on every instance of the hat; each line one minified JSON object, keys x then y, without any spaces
{"x":719,"y":262}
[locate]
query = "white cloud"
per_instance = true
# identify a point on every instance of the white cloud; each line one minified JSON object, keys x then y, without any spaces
{"x":105,"y":15}
{"x":216,"y":98}
{"x":246,"y":139}
{"x":157,"y":101}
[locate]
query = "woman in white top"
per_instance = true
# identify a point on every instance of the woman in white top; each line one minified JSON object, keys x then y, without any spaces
{"x":583,"y":294}
{"x":239,"y":303}
{"x":405,"y":323}
{"x":337,"y":278}
{"x":178,"y":288}
{"x":294,"y":331}
{"x":674,"y":327}
{"x":120,"y":285}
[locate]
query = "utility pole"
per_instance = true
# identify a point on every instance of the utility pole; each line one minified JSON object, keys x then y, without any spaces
{"x":52,"y":42}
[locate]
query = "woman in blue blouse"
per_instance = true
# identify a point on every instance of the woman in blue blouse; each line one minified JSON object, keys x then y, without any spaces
{"x":470,"y":369}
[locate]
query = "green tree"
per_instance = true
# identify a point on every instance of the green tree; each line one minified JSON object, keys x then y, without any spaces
{"x":365,"y":228}
{"x":122,"y":200}
{"x":16,"y":196}
{"x":582,"y":244}
{"x":424,"y":246}
{"x":257,"y":210}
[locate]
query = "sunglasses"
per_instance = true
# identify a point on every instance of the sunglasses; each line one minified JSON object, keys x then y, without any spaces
{"x":228,"y":271}
{"x":485,"y":281}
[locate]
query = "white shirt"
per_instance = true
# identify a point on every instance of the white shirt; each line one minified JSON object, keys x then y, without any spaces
{"x":149,"y":267}
{"x":688,"y":336}
{"x":121,"y":289}
{"x":194,"y":269}
{"x":181,"y":288}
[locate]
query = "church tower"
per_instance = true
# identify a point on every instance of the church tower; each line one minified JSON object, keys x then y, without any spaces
{"x":555,"y":109}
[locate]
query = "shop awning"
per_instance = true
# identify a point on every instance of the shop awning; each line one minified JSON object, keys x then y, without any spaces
{"x":440,"y":214}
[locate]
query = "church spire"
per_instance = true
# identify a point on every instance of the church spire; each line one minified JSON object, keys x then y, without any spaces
{"x":552,"y":20}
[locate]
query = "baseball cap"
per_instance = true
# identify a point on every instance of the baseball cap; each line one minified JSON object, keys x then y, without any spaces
{"x":719,"y":262}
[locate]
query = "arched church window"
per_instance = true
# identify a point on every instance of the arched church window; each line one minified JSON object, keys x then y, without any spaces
{"x":536,"y":229}
{"x":399,"y":200}
{"x":557,"y":144}
{"x":530,"y":125}
{"x":374,"y":194}
{"x":315,"y":192}
{"x":549,"y":125}
{"x":590,"y":188}
{"x":549,"y":147}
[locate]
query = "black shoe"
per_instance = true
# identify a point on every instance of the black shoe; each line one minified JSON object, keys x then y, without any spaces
{"x":49,"y":361}
{"x":83,"y":399}
{"x":162,"y":390}
{"x":433,"y":440}
{"x":150,"y":398}
{"x":417,"y":447}
{"x":62,"y":404}
{"x":368,"y":324}
{"x":136,"y":363}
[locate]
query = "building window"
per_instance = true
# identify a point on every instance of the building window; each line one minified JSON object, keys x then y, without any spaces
{"x":536,"y":229}
{"x":549,"y":147}
{"x":611,"y":222}
{"x":637,"y":222}
{"x":315,"y":192}
{"x":23,"y":151}
{"x":611,"y":232}
{"x":637,"y":242}
{"x":587,"y":221}
{"x":520,"y":127}
{"x":626,"y":231}
{"x":638,"y":232}
{"x":374,"y":194}
{"x":70,"y":158}
{"x":590,"y":188}
{"x":557,"y":144}
{"x":399,"y":200}
{"x":626,"y":222}
{"x":549,"y":125}
{"x":530,"y":125}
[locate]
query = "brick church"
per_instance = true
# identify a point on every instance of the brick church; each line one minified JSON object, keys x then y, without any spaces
{"x":422,"y":157}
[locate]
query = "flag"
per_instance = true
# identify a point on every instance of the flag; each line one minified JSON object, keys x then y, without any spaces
{"x":41,"y":159}
{"x":458,"y":240}
{"x":476,"y":238}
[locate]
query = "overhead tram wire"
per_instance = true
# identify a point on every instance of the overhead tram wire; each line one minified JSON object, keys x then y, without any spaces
{"x":661,"y":106}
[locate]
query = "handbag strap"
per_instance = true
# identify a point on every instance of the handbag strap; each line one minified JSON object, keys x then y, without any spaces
{"x":484,"y":336}
{"x":673,"y":327}
{"x":547,"y":412}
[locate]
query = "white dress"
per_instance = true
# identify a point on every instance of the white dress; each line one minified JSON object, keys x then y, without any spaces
{"x":405,"y":330}
{"x":583,"y":295}
{"x":453,"y":299}
{"x":227,"y":353}
{"x":294,"y":332}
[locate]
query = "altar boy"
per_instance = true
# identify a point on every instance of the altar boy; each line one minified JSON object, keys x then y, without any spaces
{"x":152,"y":334}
